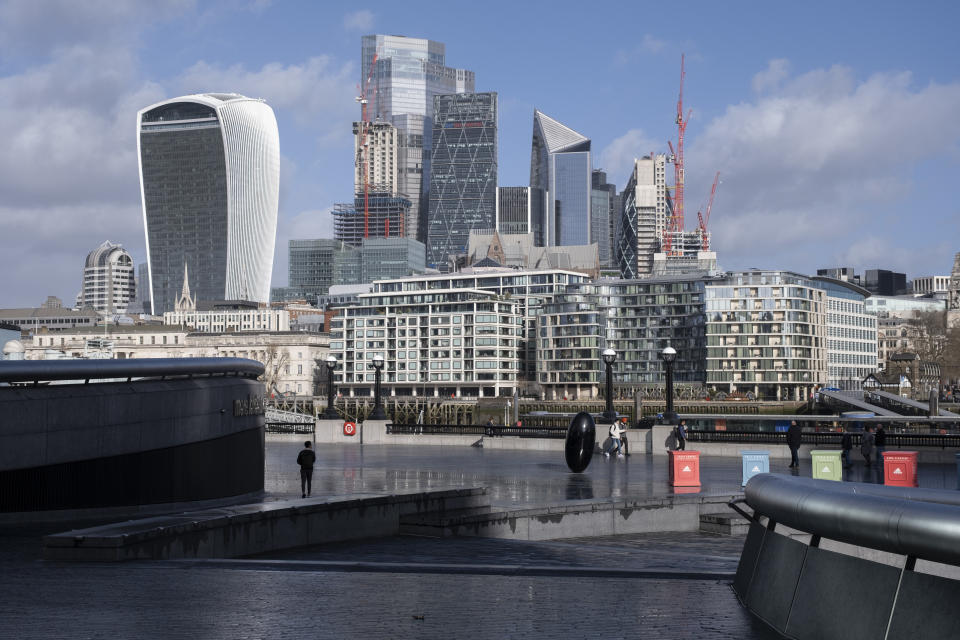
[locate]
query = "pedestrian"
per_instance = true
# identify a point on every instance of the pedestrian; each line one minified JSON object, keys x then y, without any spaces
{"x":794,"y":438}
{"x":867,"y":444}
{"x":306,"y":459}
{"x":846,"y":443}
{"x":880,"y":442}
{"x":623,"y":437}
{"x":682,"y":436}
{"x":615,"y":432}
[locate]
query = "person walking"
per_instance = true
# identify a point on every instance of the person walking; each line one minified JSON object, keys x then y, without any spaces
{"x":623,"y":437}
{"x":794,"y":438}
{"x":682,"y":436}
{"x":306,"y":459}
{"x":867,"y":444}
{"x":880,"y":442}
{"x":846,"y":444}
{"x":615,"y":432}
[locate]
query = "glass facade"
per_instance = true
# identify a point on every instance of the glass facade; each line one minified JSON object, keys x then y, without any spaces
{"x":184,"y":177}
{"x":407,"y":75}
{"x":520,"y":210}
{"x":463,"y":178}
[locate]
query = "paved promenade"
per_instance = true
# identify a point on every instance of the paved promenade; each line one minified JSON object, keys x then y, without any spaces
{"x":664,"y":585}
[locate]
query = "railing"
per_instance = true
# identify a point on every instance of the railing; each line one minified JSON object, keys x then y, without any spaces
{"x":894,"y":440}
{"x":477,"y":430}
{"x":37,"y":371}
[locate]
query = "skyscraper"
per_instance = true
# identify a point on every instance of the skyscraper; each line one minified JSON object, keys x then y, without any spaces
{"x":108,"y":280}
{"x":604,"y":212}
{"x":407,"y":74}
{"x":560,"y":165}
{"x":642,"y":218}
{"x":520,"y":210}
{"x":209,"y":181}
{"x":378,"y":154}
{"x":463,"y":174}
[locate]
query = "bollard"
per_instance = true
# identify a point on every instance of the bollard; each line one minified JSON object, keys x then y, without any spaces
{"x":827,"y":465}
{"x":754,"y":462}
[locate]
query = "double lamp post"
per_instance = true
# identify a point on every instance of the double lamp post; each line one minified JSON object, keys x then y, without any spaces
{"x":669,"y":356}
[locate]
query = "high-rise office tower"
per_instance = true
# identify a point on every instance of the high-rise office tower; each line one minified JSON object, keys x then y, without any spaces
{"x":605,"y":214}
{"x":108,"y":280}
{"x":560,"y":165}
{"x":642,"y":219}
{"x":408,"y":73}
{"x":463,"y":173}
{"x":520,"y":210}
{"x":209,"y":180}
{"x":375,"y":214}
{"x":376,"y":150}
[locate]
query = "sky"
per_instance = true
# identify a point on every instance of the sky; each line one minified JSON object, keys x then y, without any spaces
{"x":835,"y":126}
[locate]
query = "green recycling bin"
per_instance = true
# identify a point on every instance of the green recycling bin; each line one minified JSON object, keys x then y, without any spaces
{"x":827,"y":465}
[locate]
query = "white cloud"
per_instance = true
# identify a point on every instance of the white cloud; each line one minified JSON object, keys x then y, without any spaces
{"x":807,"y":166}
{"x":618,"y":156}
{"x":651,"y":44}
{"x":361,"y":20}
{"x":648,"y":44}
{"x":318,"y":92}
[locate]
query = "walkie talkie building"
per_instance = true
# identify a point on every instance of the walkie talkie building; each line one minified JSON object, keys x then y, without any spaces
{"x":209,"y":183}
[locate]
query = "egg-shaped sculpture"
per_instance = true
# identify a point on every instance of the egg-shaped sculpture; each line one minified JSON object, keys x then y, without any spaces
{"x":581,"y":436}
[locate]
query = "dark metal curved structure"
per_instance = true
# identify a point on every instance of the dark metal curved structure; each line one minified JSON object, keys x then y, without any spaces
{"x":47,"y":370}
{"x":581,"y":437}
{"x":925,"y":530}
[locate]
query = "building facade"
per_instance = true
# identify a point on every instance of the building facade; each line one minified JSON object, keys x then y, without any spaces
{"x":374,"y":214}
{"x":520,"y":211}
{"x":406,"y":74}
{"x":441,"y":342}
{"x":924,"y":285}
{"x":560,"y":166}
{"x":605,"y":233}
{"x":109,"y":281}
{"x":209,"y":182}
{"x":463,"y":173}
{"x":376,"y":150}
{"x":224,"y":318}
{"x":635,"y":318}
{"x":643,"y":218}
{"x":851,"y":334}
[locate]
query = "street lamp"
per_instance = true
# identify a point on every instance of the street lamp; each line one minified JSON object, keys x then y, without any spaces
{"x":669,"y":356}
{"x":331,"y":412}
{"x":609,"y":357}
{"x":378,"y":413}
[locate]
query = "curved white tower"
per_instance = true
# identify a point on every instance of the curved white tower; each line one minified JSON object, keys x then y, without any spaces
{"x":209,"y":183}
{"x":108,"y":281}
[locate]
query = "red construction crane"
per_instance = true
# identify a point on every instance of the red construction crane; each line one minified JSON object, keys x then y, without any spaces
{"x":705,"y":218}
{"x":364,"y":98}
{"x":676,"y":220}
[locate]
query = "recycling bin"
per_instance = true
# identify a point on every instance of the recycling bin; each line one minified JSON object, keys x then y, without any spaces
{"x":900,"y":468}
{"x":754,"y":462}
{"x":684,"y":468}
{"x":827,"y":465}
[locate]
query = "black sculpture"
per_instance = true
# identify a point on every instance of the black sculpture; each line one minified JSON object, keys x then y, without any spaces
{"x":581,"y":436}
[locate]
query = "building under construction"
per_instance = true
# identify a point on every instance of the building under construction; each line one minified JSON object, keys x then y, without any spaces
{"x":380,"y":213}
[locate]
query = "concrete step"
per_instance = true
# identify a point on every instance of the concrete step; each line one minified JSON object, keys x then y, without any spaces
{"x":436,"y":524}
{"x":728,"y":523}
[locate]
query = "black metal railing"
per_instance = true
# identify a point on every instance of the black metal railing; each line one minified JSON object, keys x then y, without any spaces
{"x":477,"y":430}
{"x":829,"y":439}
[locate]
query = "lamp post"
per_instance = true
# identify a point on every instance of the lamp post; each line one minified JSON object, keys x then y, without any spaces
{"x":378,"y":413}
{"x":331,"y":412}
{"x":609,"y":357}
{"x":669,"y":356}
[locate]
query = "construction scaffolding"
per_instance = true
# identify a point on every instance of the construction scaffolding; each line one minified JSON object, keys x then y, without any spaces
{"x":386,"y":214}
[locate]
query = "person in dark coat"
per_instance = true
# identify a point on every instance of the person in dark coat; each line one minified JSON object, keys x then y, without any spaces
{"x":867,"y":444}
{"x":794,"y":437}
{"x":846,"y":443}
{"x":880,"y":442}
{"x":306,"y":459}
{"x":682,"y":435}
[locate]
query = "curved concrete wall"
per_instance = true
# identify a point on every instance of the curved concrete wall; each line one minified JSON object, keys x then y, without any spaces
{"x":126,"y":443}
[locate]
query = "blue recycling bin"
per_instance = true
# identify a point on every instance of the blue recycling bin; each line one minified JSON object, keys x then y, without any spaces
{"x":755,"y":462}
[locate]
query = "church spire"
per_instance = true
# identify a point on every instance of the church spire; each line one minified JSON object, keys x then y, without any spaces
{"x":185,"y":302}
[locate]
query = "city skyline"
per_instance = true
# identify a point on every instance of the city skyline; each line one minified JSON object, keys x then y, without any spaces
{"x":830,"y":155}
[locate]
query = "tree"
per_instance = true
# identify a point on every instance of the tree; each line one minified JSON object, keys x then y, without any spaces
{"x":273,"y":364}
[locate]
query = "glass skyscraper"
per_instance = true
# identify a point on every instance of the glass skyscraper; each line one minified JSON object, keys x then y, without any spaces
{"x":463,"y":178}
{"x":520,"y":210}
{"x":560,"y":165}
{"x":209,"y":180}
{"x":407,"y":75}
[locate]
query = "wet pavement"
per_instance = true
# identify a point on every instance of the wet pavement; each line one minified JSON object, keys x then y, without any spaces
{"x":656,"y":585}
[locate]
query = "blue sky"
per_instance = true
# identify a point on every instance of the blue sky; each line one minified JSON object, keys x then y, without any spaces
{"x":834,"y":125}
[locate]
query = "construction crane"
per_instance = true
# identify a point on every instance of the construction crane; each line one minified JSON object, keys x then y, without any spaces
{"x":704,"y":218}
{"x":364,"y":146}
{"x":676,"y":220}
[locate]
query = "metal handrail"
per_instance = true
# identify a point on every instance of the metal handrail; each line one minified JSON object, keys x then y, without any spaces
{"x":826,"y":438}
{"x":914,"y":528}
{"x":477,"y":430}
{"x":36,"y":371}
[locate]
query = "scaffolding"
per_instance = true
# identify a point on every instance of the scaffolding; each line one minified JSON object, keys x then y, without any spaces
{"x":386,"y":216}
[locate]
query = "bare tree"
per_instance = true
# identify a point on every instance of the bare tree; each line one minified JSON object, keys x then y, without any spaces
{"x":274,"y":362}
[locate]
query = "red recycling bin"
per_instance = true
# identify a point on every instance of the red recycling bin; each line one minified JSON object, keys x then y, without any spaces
{"x":900,"y":468}
{"x":684,"y":468}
